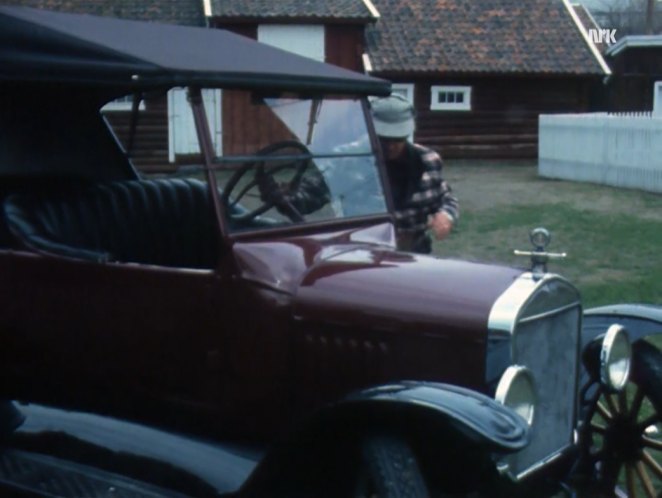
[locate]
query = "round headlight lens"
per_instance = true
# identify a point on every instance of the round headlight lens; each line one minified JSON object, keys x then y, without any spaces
{"x":615,"y":358}
{"x":517,"y":391}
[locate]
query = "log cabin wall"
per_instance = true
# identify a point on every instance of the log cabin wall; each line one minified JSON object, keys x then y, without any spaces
{"x":503,"y":120}
{"x":635,"y":72}
{"x":344,"y":46}
{"x":150,"y":146}
{"x":247,"y":128}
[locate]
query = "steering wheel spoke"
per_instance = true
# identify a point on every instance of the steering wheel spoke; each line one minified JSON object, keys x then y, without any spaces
{"x":264,"y":179}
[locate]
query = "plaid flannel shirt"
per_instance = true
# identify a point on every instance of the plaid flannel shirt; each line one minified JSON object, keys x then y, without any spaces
{"x":429,"y":195}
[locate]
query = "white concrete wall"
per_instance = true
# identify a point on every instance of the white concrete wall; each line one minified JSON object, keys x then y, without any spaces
{"x":623,"y":150}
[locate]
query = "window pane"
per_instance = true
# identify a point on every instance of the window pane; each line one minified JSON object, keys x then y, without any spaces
{"x":334,"y":187}
{"x":451,"y":97}
{"x":441,"y":97}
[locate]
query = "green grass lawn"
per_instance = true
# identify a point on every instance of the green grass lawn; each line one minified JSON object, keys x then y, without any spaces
{"x":613,"y":237}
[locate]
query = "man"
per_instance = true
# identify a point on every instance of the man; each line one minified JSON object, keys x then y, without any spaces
{"x":422,"y":199}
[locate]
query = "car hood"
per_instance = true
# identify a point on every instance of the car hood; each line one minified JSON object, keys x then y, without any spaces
{"x":392,"y":290}
{"x":358,"y":277}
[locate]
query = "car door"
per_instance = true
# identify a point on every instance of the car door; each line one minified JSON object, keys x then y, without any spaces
{"x":74,"y":326}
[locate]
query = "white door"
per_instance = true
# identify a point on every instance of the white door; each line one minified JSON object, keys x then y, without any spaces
{"x":305,"y":40}
{"x":182,"y":137}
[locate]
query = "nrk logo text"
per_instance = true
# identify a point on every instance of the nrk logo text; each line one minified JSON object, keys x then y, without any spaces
{"x":607,"y":36}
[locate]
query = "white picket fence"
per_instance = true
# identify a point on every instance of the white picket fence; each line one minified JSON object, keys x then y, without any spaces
{"x":623,"y":150}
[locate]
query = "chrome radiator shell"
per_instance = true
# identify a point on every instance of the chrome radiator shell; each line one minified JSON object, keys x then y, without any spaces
{"x":536,"y":323}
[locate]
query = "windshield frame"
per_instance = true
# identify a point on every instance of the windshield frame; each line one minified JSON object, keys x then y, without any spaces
{"x":212,"y":163}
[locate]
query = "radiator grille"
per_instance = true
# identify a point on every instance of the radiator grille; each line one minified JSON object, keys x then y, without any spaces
{"x":547,"y":346}
{"x":538,"y":321}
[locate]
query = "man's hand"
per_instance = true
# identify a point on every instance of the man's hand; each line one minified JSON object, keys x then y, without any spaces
{"x":441,"y":224}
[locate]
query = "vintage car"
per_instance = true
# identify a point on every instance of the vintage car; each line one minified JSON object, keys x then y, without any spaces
{"x":187,"y":296}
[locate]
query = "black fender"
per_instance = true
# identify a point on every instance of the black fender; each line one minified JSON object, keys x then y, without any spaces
{"x":640,"y":320}
{"x":476,"y":417}
{"x":428,"y":415}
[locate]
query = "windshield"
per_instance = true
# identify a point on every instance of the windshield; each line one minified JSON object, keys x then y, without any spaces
{"x":286,"y":160}
{"x":278,"y":160}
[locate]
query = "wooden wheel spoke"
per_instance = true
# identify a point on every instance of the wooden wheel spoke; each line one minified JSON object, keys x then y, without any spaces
{"x":602,"y":410}
{"x":652,"y":464}
{"x":652,"y":443}
{"x":600,"y":429}
{"x":636,"y":403}
{"x":611,"y":405}
{"x":629,"y":479}
{"x":623,"y":402}
{"x":645,"y":480}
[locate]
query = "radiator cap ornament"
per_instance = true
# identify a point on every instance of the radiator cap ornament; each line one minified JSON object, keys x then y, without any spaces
{"x":540,"y":239}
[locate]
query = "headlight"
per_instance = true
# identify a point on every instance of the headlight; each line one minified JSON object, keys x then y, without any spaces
{"x":615,"y":356}
{"x":517,"y":391}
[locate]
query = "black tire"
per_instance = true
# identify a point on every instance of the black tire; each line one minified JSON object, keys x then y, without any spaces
{"x":389,"y":470}
{"x":625,"y":431}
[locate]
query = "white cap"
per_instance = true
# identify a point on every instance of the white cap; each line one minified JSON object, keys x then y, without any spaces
{"x":393,"y":116}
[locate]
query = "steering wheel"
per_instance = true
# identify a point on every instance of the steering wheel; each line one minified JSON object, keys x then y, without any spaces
{"x":267,"y":175}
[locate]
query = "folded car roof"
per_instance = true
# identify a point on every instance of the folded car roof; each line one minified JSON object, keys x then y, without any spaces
{"x":38,"y":45}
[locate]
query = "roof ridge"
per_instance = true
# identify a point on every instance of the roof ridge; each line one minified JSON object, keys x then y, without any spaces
{"x":582,"y":31}
{"x":373,"y":10}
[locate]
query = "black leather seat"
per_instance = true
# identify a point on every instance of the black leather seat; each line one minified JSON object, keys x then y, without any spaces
{"x":161,"y":222}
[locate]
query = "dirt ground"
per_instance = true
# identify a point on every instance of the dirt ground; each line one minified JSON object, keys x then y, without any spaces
{"x":483,"y":185}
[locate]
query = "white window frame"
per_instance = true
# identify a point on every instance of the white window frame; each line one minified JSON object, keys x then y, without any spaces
{"x":123,"y":104}
{"x":435,"y":105}
{"x":407,"y":91}
{"x":404,"y":89}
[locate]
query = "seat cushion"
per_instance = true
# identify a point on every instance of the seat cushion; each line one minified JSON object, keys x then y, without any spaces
{"x":162,"y":222}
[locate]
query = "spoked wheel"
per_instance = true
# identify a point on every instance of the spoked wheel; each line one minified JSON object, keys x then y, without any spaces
{"x":625,"y":430}
{"x":389,"y":470}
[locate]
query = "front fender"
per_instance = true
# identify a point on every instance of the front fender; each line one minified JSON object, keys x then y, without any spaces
{"x":431,"y":416}
{"x":641,"y":320}
{"x":477,"y":417}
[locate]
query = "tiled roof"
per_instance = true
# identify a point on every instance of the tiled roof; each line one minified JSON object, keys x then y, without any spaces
{"x":478,"y":36}
{"x":187,"y":12}
{"x":356,"y":10}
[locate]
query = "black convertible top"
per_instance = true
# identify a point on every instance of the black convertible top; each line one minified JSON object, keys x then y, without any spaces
{"x":44,"y":46}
